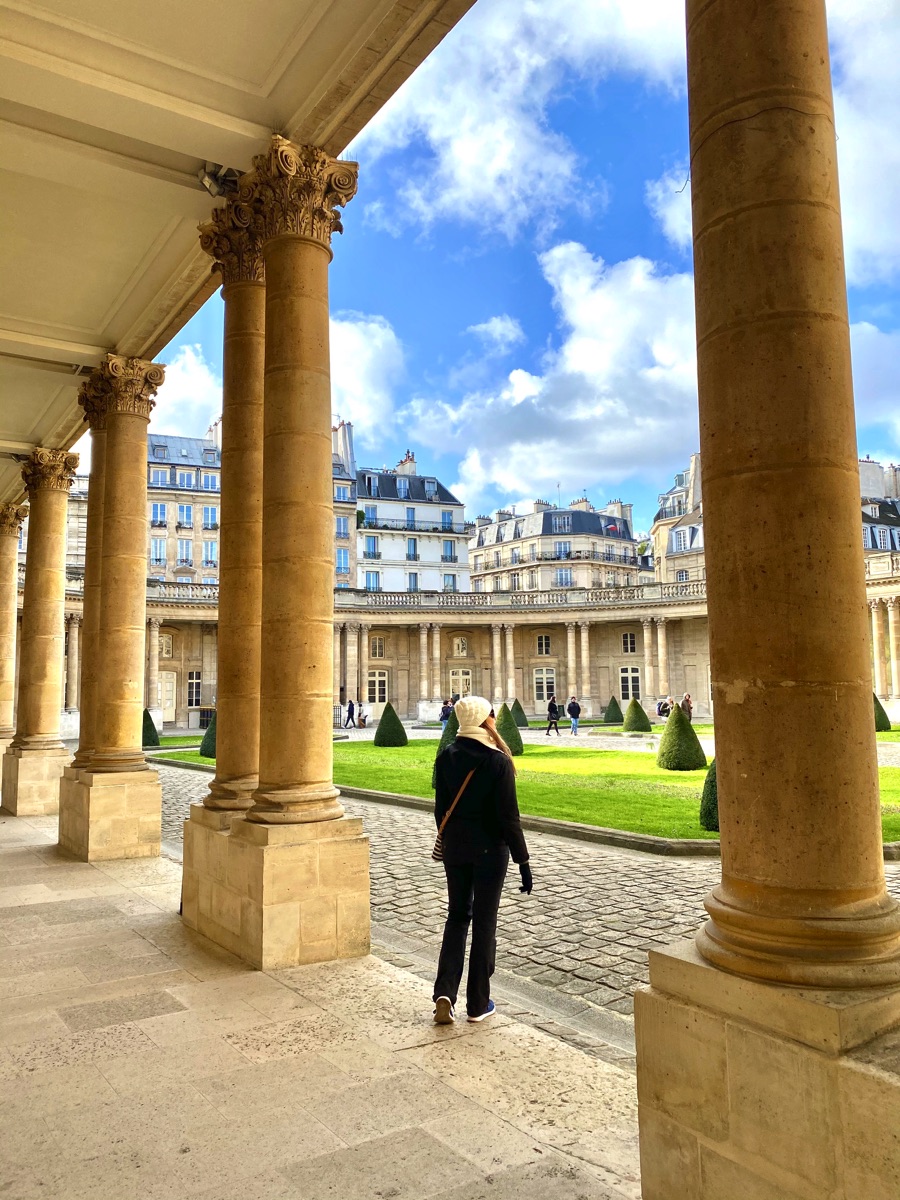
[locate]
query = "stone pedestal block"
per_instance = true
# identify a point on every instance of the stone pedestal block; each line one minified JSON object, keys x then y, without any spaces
{"x":277,"y":895}
{"x":764,"y":1092}
{"x":110,"y":814}
{"x":31,"y":780}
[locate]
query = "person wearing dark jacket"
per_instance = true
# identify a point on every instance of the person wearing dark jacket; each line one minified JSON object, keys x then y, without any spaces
{"x":574,"y":711}
{"x":481,"y":834}
{"x":552,"y":716}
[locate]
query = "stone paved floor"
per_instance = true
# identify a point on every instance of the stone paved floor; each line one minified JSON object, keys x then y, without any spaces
{"x":584,"y":932}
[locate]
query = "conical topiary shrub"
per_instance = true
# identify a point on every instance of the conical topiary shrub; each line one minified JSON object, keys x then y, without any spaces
{"x":636,"y":720}
{"x":150,"y":737}
{"x":509,"y":731}
{"x":208,"y":745}
{"x":709,"y":801}
{"x":518,"y":715}
{"x":390,"y":731}
{"x":882,"y":720}
{"x":679,"y":747}
{"x":450,"y":731}
{"x":613,"y":714}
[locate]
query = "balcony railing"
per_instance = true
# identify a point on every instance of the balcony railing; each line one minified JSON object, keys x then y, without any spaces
{"x":647,"y":594}
{"x":210,"y":562}
{"x":210,"y":524}
{"x":449,"y":558}
{"x":158,"y":524}
{"x":412,"y":558}
{"x":185,"y":562}
{"x":461,"y":527}
{"x":342,"y":536}
{"x":184,"y":524}
{"x":157,"y":562}
{"x":371,"y":554}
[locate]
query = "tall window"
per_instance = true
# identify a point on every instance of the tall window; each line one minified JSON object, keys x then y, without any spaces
{"x":342,"y":527}
{"x":497,"y":581}
{"x":461,"y":682}
{"x":562,"y":577}
{"x":193,"y":696}
{"x":342,"y":561}
{"x":210,"y":554}
{"x":341,"y":491}
{"x":514,"y":555}
{"x":165,"y":645}
{"x":865,"y":534}
{"x":447,"y":519}
{"x":210,"y":516}
{"x":159,"y":477}
{"x":544,"y":684}
{"x":371,"y":485}
{"x":412,"y":549}
{"x":562,"y":549}
{"x":681,"y":539}
{"x":479,"y":562}
{"x":186,"y":479}
{"x":430,"y":489}
{"x":185,"y":552}
{"x":371,"y":514}
{"x":449,"y":583}
{"x":543,"y":643}
{"x":412,"y":581}
{"x":158,"y":514}
{"x":447,"y":553}
{"x":681,"y":576}
{"x":478,"y":585}
{"x":186,"y":515}
{"x":629,"y":643}
{"x":496,"y":558}
{"x":373,"y":581}
{"x":402,"y":487}
{"x":410,"y":518}
{"x":376,"y":649}
{"x":883,"y":539}
{"x":630,"y":682}
{"x":210,"y":481}
{"x":157,"y":551}
{"x":515,"y":581}
{"x":460,"y":647}
{"x":562,"y":523}
{"x":371,"y":550}
{"x":532,"y":579}
{"x":377,"y":689}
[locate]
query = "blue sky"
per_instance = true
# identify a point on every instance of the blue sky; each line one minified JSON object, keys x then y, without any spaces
{"x":512,"y":298}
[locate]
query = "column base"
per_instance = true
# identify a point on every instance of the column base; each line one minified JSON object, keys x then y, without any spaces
{"x":31,"y":780}
{"x":758,"y":1090}
{"x":277,"y":895}
{"x":104,"y":815}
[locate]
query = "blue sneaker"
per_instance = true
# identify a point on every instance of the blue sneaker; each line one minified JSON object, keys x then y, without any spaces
{"x":489,"y":1013}
{"x":443,"y":1011}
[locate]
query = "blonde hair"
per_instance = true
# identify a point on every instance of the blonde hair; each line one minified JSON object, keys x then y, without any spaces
{"x":490,"y":724}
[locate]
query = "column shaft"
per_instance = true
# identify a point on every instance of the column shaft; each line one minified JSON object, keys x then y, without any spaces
{"x":585,"y":628}
{"x":649,"y":669}
{"x":336,"y":666}
{"x":90,"y":632}
{"x":802,"y":898}
{"x":878,"y":648}
{"x":436,"y":663}
{"x":496,"y":666}
{"x":663,"y":655}
{"x":894,"y":646}
{"x":363,"y":664}
{"x":352,"y":660}
{"x":11,"y":517}
{"x":153,"y":697}
{"x":571,"y":660}
{"x":73,"y":625}
{"x":510,"y":664}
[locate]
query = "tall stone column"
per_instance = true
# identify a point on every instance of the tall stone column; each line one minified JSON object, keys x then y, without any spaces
{"x":802,"y":903}
{"x":436,"y":683}
{"x":111,"y":808}
{"x":424,"y":686}
{"x":663,"y":655}
{"x":73,"y":625}
{"x":336,"y":665}
{"x":496,"y":666}
{"x":571,"y":660}
{"x":510,"y":663}
{"x":878,"y":648}
{"x":237,"y":251}
{"x":649,"y":667}
{"x":352,"y":635}
{"x":296,"y":882}
{"x":894,"y":646}
{"x":36,"y":758}
{"x":585,"y":628}
{"x":153,"y":698}
{"x":11,"y":518}
{"x":364,"y":664}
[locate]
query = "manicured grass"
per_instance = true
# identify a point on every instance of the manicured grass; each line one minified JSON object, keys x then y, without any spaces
{"x":181,"y":740}
{"x":614,"y":788}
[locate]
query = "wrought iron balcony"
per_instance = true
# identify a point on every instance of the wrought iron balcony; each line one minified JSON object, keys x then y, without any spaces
{"x":157,"y":562}
{"x":158,"y":524}
{"x":449,"y":558}
{"x":185,"y":562}
{"x":371,"y":554}
{"x":461,"y":527}
{"x":184,"y":524}
{"x":210,"y":524}
{"x":412,"y":558}
{"x":210,"y":562}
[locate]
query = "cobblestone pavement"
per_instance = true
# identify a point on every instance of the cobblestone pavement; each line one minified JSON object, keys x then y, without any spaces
{"x":586,"y":929}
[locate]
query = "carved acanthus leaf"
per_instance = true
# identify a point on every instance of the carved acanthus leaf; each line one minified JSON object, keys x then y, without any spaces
{"x":51,"y":469}
{"x":236,"y":248}
{"x":120,"y":384}
{"x":11,"y":518}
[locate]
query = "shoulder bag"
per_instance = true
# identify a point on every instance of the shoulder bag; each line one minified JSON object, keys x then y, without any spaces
{"x":438,"y":852}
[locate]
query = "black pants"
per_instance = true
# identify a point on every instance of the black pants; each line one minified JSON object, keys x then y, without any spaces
{"x":350,"y":721}
{"x":473,"y":893}
{"x":551,"y":724}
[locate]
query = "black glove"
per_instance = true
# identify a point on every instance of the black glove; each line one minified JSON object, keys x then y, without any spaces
{"x":527,"y":881}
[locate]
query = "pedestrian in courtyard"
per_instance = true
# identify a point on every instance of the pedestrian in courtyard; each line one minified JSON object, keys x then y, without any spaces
{"x":445,"y":714}
{"x":574,"y":711}
{"x":351,"y":718}
{"x":664,"y":707}
{"x":552,"y":716}
{"x":687,"y":705}
{"x":475,"y":791}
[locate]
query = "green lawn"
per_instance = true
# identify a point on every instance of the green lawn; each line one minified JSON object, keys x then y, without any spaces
{"x":615,"y":788}
{"x":172,"y":739}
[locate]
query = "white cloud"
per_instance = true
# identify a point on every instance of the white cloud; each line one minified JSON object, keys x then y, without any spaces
{"x":875,"y":378}
{"x":366,"y":365}
{"x":669,"y":199}
{"x":480,"y":106}
{"x":191,"y":397}
{"x":617,"y":399}
{"x":498,"y":335}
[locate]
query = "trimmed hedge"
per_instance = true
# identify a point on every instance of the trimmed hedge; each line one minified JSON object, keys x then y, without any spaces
{"x":636,"y":720}
{"x":390,"y":731}
{"x":509,"y":731}
{"x":149,"y":736}
{"x":679,"y":747}
{"x":613,"y":714}
{"x":882,"y":720}
{"x":709,"y":801}
{"x":450,"y":731}
{"x":208,"y":745}
{"x":518,"y":715}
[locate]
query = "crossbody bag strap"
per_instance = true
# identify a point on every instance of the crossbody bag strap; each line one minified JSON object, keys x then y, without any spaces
{"x":449,"y":813}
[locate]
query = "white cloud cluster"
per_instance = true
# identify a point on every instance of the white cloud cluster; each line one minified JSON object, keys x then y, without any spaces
{"x":498,"y":335}
{"x":366,"y":366}
{"x":876,"y":381}
{"x":480,"y":106}
{"x":620,"y":390}
{"x":191,"y":397}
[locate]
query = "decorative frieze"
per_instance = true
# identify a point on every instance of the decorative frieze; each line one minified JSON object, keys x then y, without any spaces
{"x":51,"y":470}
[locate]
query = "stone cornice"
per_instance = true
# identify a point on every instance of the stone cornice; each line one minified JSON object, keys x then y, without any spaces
{"x":235,"y":248}
{"x":294,"y":189}
{"x":49,"y":470}
{"x":11,"y":518}
{"x":123,"y":385}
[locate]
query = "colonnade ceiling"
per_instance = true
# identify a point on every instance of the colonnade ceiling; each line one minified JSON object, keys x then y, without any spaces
{"x":110,"y":111}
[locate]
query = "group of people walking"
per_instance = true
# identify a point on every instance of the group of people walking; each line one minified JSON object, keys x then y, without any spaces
{"x":664,"y":707}
{"x":555,"y":713}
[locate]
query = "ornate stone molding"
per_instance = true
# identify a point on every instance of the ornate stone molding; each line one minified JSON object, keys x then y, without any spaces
{"x":120,"y":384}
{"x":235,"y":248}
{"x":73,"y":619}
{"x":51,"y":470}
{"x":294,"y":190}
{"x":92,"y":398}
{"x":11,"y":518}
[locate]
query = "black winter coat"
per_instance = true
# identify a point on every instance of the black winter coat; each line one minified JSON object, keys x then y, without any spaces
{"x":487,"y":815}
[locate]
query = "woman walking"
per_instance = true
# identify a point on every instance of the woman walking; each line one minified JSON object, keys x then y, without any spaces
{"x":552,"y":716}
{"x":475,"y":777}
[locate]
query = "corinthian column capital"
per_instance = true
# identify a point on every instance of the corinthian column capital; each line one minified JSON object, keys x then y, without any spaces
{"x":294,"y":189}
{"x":231,"y":240}
{"x":11,"y":518}
{"x":51,"y":470}
{"x":120,"y":384}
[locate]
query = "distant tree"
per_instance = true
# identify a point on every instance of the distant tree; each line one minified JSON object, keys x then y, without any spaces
{"x":451,"y":729}
{"x":882,"y":720}
{"x":390,"y":731}
{"x":613,"y":714}
{"x":679,"y":747}
{"x":518,"y":713}
{"x":709,"y":801}
{"x":509,"y":731}
{"x":149,"y":736}
{"x":208,"y":745}
{"x":636,"y":720}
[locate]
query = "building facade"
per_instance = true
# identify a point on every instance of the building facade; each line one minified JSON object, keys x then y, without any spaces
{"x":183,"y":484}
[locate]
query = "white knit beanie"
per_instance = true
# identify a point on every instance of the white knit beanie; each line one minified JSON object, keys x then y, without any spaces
{"x":471,"y":712}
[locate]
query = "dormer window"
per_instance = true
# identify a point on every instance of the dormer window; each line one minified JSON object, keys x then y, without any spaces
{"x":430,"y":489}
{"x":209,"y":456}
{"x":371,"y":485}
{"x":402,"y":487}
{"x":160,"y":452}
